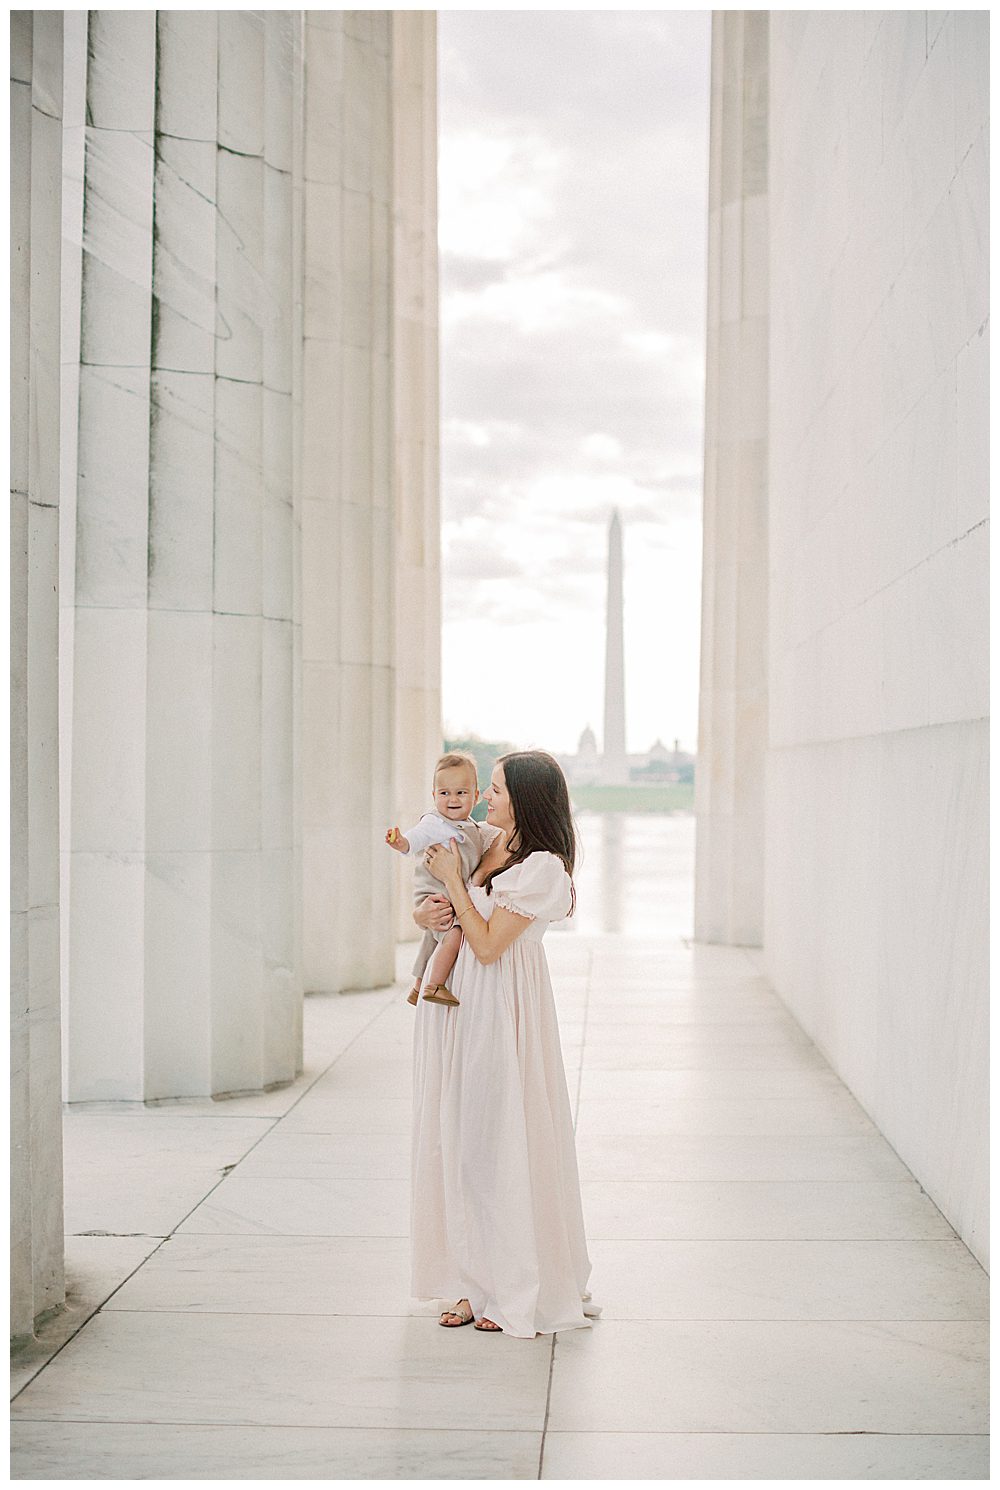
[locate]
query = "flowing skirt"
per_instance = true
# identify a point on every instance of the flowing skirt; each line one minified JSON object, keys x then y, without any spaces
{"x":495,"y":1212}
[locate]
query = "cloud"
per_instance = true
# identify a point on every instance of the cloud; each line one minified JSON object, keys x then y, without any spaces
{"x":573,"y":229}
{"x":602,"y":447}
{"x":463,"y":433}
{"x":471,"y":555}
{"x":563,"y":381}
{"x":495,"y":193}
{"x":594,"y":125}
{"x":534,"y":301}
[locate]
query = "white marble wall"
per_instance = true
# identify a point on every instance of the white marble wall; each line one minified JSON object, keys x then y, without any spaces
{"x":417,"y":558}
{"x":732,"y":726}
{"x":876,"y":917}
{"x":183,"y":965}
{"x":37,"y":1284}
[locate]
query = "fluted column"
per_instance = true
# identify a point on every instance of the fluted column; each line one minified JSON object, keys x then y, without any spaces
{"x":416,"y":481}
{"x":179,"y":746}
{"x":348,"y":670}
{"x":183,"y":968}
{"x":281,"y":862}
{"x":107,"y":789}
{"x":732,"y":729}
{"x":35,"y":1133}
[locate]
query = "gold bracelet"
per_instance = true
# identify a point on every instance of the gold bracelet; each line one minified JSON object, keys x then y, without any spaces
{"x":465,"y":912}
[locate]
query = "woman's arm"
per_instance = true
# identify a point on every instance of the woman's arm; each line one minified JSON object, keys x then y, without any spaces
{"x":489,"y":939}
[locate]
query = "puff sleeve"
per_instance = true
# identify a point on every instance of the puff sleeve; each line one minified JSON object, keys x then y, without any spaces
{"x":538,"y":887}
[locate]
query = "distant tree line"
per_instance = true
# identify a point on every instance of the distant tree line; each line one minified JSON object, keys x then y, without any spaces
{"x":649,"y":792}
{"x":658,"y":771}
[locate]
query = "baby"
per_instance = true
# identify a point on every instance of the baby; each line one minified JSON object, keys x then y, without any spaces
{"x":455,"y":793}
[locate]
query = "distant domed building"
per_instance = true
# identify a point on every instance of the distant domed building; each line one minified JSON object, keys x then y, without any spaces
{"x":586,"y":768}
{"x":659,"y":764}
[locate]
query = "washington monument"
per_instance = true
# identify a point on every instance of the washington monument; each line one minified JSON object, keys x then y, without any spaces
{"x":614,"y":766}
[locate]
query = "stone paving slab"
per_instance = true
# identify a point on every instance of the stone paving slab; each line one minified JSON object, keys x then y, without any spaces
{"x":260,"y":1274}
{"x":730,"y":1156}
{"x":773,"y":1376}
{"x":764,"y":1456}
{"x":309,"y":1370}
{"x":788,"y":1280}
{"x":192,"y":1451}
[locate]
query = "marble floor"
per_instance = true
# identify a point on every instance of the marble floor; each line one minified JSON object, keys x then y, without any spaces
{"x":780,"y":1298}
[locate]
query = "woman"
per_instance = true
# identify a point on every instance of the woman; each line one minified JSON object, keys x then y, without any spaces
{"x":496,"y":1215}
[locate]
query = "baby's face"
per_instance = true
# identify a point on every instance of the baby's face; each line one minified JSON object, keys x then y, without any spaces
{"x":455,"y":793}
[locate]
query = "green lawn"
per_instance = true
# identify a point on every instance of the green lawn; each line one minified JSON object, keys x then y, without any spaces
{"x":670,"y":797}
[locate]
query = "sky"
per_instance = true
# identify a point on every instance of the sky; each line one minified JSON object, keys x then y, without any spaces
{"x":573,"y":202}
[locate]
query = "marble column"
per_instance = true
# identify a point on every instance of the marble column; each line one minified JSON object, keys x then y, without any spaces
{"x":347,"y":435}
{"x":106,"y":872}
{"x":614,"y":763}
{"x":281,"y":853}
{"x":74,"y":134}
{"x":187,"y":482}
{"x":37,"y":1284}
{"x":183,"y":970}
{"x":732,"y":729}
{"x":415,"y":480}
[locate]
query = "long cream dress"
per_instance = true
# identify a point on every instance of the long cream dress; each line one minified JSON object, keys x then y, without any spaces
{"x":496,"y":1214}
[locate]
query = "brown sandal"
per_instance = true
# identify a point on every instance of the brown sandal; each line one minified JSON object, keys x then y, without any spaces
{"x":413,"y":996}
{"x":437,"y":993}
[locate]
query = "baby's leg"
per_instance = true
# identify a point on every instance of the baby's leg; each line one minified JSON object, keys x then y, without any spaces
{"x":425,"y":952}
{"x":445,"y":957}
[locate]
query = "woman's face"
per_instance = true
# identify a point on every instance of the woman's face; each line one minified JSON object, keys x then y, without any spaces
{"x":498,"y":806}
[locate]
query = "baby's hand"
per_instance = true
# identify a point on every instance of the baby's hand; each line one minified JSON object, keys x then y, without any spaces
{"x":395,"y":839}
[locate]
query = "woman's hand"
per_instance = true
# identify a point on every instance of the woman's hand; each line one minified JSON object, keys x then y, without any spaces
{"x":435,"y":913}
{"x":445,"y":864}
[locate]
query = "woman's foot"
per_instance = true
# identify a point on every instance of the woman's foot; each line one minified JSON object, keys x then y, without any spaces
{"x":462,"y":1313}
{"x":487,"y":1326}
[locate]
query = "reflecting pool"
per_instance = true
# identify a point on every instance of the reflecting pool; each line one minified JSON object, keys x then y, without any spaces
{"x":635,"y":874}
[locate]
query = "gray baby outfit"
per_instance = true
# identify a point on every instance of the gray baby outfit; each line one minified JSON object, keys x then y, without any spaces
{"x":472,"y":842}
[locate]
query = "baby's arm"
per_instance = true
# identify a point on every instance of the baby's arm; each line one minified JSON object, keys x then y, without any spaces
{"x":413,"y":840}
{"x":430,"y":829}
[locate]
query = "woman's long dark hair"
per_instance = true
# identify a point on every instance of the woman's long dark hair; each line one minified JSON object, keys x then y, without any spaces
{"x":539,"y":799}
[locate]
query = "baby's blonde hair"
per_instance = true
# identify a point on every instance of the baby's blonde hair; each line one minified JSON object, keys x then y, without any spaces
{"x":458,"y":758}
